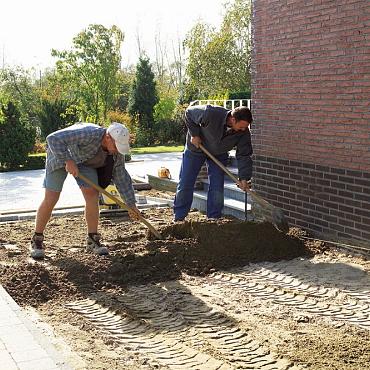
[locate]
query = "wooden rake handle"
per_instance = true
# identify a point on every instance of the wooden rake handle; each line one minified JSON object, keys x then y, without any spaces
{"x":120,"y":203}
{"x":254,"y":196}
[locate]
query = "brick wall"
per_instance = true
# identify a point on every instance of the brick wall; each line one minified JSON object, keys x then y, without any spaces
{"x":311,"y":105}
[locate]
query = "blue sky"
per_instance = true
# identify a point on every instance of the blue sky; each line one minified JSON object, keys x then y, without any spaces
{"x":29,"y":29}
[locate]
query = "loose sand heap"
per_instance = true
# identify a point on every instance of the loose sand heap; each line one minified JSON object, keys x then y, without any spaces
{"x":195,"y":247}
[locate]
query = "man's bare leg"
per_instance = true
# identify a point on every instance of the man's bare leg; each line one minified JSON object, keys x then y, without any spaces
{"x":92,"y":220}
{"x":91,"y":209}
{"x":45,"y":209}
{"x":42,"y":217}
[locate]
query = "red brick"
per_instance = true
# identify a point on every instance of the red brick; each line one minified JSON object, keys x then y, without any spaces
{"x":310,"y":101}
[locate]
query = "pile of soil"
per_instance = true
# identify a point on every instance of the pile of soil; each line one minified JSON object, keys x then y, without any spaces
{"x":33,"y":285}
{"x":196,"y":247}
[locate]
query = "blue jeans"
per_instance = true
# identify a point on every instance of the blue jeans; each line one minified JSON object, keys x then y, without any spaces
{"x":190,"y":167}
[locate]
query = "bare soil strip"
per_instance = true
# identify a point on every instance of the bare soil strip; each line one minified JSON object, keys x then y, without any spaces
{"x":211,"y":295}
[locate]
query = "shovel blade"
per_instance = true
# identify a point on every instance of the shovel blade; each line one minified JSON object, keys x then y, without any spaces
{"x":279,"y":220}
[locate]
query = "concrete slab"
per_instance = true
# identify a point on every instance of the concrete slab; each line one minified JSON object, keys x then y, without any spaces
{"x":22,"y":190}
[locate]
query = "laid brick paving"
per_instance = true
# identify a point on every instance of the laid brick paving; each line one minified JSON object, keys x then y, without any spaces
{"x":22,"y":345}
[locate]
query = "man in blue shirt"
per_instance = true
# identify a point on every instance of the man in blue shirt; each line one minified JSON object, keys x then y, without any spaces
{"x":85,"y":148}
{"x":218,"y":130}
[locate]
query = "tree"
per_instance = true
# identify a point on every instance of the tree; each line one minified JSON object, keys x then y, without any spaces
{"x":18,"y":86}
{"x":143,"y":98}
{"x":126,"y":77}
{"x":219,"y":61}
{"x":91,"y":68}
{"x":55,"y":114}
{"x":56,"y":110}
{"x":17,"y":137}
{"x":197,"y":70}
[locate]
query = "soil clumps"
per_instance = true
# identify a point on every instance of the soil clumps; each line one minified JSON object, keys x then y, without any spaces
{"x":196,"y":247}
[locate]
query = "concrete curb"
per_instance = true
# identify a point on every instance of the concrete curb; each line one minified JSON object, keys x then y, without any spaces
{"x":21,"y":216}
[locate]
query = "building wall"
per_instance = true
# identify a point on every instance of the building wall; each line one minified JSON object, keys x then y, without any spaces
{"x":311,"y":107}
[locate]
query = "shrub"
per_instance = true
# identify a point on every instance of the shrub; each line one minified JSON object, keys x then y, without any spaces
{"x":55,"y":114}
{"x":169,"y":132}
{"x":145,"y":137}
{"x":35,"y":162}
{"x":240,"y":95}
{"x":121,"y":117}
{"x":17,"y":137}
{"x":39,"y":147}
{"x":164,"y":109}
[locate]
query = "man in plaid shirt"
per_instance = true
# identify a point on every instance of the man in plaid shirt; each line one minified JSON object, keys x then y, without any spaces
{"x":91,"y":150}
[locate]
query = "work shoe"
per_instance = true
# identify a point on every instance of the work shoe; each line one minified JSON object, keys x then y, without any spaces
{"x":94,"y":245}
{"x":37,"y":247}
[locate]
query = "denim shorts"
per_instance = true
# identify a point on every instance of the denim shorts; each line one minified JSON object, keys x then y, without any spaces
{"x":54,"y":180}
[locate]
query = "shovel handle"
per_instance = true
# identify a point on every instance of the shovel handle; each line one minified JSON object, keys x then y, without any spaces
{"x":120,"y":203}
{"x":254,"y":196}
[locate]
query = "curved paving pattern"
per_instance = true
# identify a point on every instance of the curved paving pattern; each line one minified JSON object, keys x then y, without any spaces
{"x":177,"y":329}
{"x":294,"y":284}
{"x":184,"y":325}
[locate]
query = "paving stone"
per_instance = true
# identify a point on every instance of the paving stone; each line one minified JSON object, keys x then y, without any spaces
{"x":42,"y":364}
{"x":22,"y":346}
{"x":29,"y":355}
{"x":14,"y":343}
{"x":9,"y":320}
{"x":6,"y":361}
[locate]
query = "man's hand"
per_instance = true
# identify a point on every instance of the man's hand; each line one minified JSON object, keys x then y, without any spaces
{"x":134,"y":213}
{"x":71,"y":167}
{"x":244,"y":185}
{"x":196,"y":140}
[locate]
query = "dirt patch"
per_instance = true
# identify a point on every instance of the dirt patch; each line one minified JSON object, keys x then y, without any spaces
{"x":229,"y":243}
{"x":205,"y":285}
{"x":33,"y":285}
{"x":195,"y":247}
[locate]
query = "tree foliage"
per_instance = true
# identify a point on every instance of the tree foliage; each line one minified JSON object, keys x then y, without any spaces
{"x":164,"y":109}
{"x":17,"y":137}
{"x":143,"y":98}
{"x":18,"y":86}
{"x":125,"y":79}
{"x":219,"y":60}
{"x":91,"y":69}
{"x":55,"y":114}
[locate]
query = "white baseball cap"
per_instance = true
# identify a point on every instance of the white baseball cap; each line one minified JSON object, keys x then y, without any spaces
{"x":121,"y":136}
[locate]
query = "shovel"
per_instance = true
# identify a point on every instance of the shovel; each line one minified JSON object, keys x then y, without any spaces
{"x":120,"y":203}
{"x":277,"y":215}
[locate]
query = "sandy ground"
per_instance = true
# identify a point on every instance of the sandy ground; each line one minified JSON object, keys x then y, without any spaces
{"x":219,"y":294}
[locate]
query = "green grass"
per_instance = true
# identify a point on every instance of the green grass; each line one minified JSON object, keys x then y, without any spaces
{"x":157,"y":149}
{"x":37,"y":155}
{"x":142,"y":150}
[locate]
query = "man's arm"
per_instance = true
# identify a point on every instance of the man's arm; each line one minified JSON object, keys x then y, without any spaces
{"x":193,"y":119}
{"x":57,"y":143}
{"x":62,"y":143}
{"x":244,"y":153}
{"x":122,"y":180}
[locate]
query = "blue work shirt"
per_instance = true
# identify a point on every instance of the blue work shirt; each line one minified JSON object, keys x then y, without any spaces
{"x":209,"y":123}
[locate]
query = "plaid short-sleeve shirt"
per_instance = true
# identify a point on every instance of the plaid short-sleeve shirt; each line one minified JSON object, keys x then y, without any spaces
{"x":80,"y":142}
